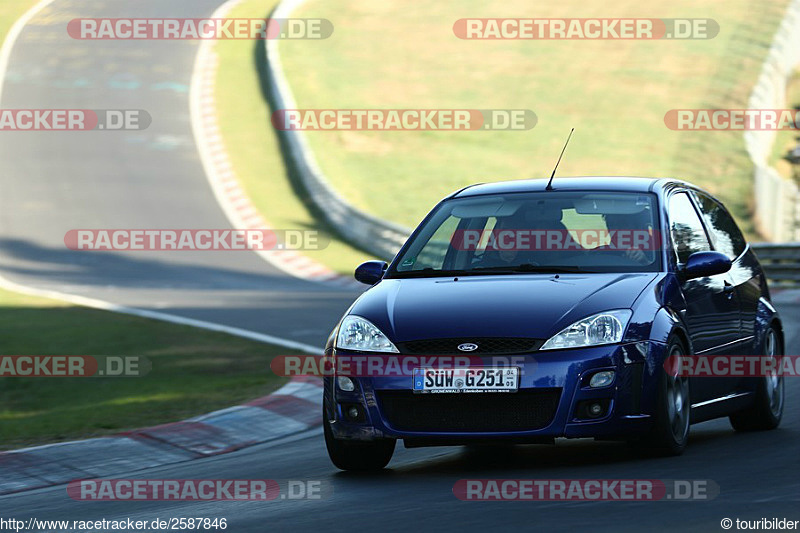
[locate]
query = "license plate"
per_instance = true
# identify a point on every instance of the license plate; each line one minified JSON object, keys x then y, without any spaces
{"x":475,"y":379}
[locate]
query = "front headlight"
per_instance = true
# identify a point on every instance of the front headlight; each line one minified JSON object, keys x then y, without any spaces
{"x":356,"y":333}
{"x":607,"y":327}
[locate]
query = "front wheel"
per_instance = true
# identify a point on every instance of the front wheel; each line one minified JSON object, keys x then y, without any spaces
{"x":767,"y":411}
{"x":670,"y":431}
{"x":358,"y":456}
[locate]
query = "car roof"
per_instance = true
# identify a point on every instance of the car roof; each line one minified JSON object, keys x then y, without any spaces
{"x":576,"y":183}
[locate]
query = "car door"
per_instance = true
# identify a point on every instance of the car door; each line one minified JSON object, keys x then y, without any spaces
{"x":711,"y":313}
{"x":744,"y":274}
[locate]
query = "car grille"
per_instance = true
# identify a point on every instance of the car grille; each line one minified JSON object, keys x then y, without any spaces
{"x":524,"y":410}
{"x":486,"y":346}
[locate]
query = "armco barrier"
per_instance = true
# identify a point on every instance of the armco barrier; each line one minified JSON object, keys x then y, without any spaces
{"x":777,"y":200}
{"x":781,"y":262}
{"x":370,"y":233}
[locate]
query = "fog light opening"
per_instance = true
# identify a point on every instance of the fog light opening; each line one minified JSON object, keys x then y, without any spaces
{"x":596,"y":410}
{"x":593,"y":409}
{"x":346,"y":384}
{"x":353,"y":412}
{"x":602,"y":379}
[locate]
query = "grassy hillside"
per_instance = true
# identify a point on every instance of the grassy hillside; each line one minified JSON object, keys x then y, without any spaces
{"x":615,"y":93}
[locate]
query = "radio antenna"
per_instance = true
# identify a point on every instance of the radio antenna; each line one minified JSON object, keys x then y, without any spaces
{"x":550,"y":183}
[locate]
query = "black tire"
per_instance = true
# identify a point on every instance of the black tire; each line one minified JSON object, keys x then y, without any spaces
{"x":670,"y":432}
{"x":357,"y":456}
{"x":767,"y":409}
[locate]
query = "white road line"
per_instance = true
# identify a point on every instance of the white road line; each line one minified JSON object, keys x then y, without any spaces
{"x":157,"y":315}
{"x":5,"y":54}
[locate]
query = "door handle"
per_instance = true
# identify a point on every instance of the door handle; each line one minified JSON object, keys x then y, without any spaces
{"x":728,"y":289}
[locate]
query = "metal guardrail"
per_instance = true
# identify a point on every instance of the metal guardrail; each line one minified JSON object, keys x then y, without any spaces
{"x":369,"y":233}
{"x":781,"y":262}
{"x":777,"y":199}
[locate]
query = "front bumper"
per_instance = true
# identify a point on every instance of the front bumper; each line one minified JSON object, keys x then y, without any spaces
{"x":562,"y":375}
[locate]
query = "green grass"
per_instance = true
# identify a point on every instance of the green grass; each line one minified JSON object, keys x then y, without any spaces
{"x":193,"y":371}
{"x":10,"y":11}
{"x":404,"y":55}
{"x":244,"y":119}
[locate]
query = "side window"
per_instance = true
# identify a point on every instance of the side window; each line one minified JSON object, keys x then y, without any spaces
{"x":725,"y":234}
{"x":688,"y":235}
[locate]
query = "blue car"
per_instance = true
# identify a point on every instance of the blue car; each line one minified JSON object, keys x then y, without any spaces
{"x":568,"y":304}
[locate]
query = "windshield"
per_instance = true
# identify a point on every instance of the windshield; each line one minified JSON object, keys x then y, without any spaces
{"x":549,"y":232}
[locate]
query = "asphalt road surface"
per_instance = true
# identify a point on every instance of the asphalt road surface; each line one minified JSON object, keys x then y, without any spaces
{"x":757,"y":476}
{"x":54,"y":182}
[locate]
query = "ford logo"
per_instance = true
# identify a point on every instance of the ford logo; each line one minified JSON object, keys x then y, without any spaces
{"x":467,"y":347}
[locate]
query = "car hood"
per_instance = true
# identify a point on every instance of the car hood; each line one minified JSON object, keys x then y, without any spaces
{"x":528,"y":305}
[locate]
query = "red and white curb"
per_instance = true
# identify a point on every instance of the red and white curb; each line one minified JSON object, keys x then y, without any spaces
{"x":227,"y":189}
{"x":292,"y":409}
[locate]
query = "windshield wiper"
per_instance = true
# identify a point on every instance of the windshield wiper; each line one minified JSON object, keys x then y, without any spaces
{"x":528,"y":267}
{"x":429,"y":272}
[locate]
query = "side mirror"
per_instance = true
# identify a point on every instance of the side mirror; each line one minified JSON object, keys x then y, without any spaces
{"x":702,"y":264}
{"x":371,"y":272}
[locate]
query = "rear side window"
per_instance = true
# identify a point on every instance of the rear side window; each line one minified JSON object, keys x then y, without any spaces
{"x":688,"y":235}
{"x":725,"y":234}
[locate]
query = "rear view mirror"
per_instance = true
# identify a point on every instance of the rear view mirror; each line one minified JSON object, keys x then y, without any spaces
{"x":370,"y":272}
{"x":702,"y":264}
